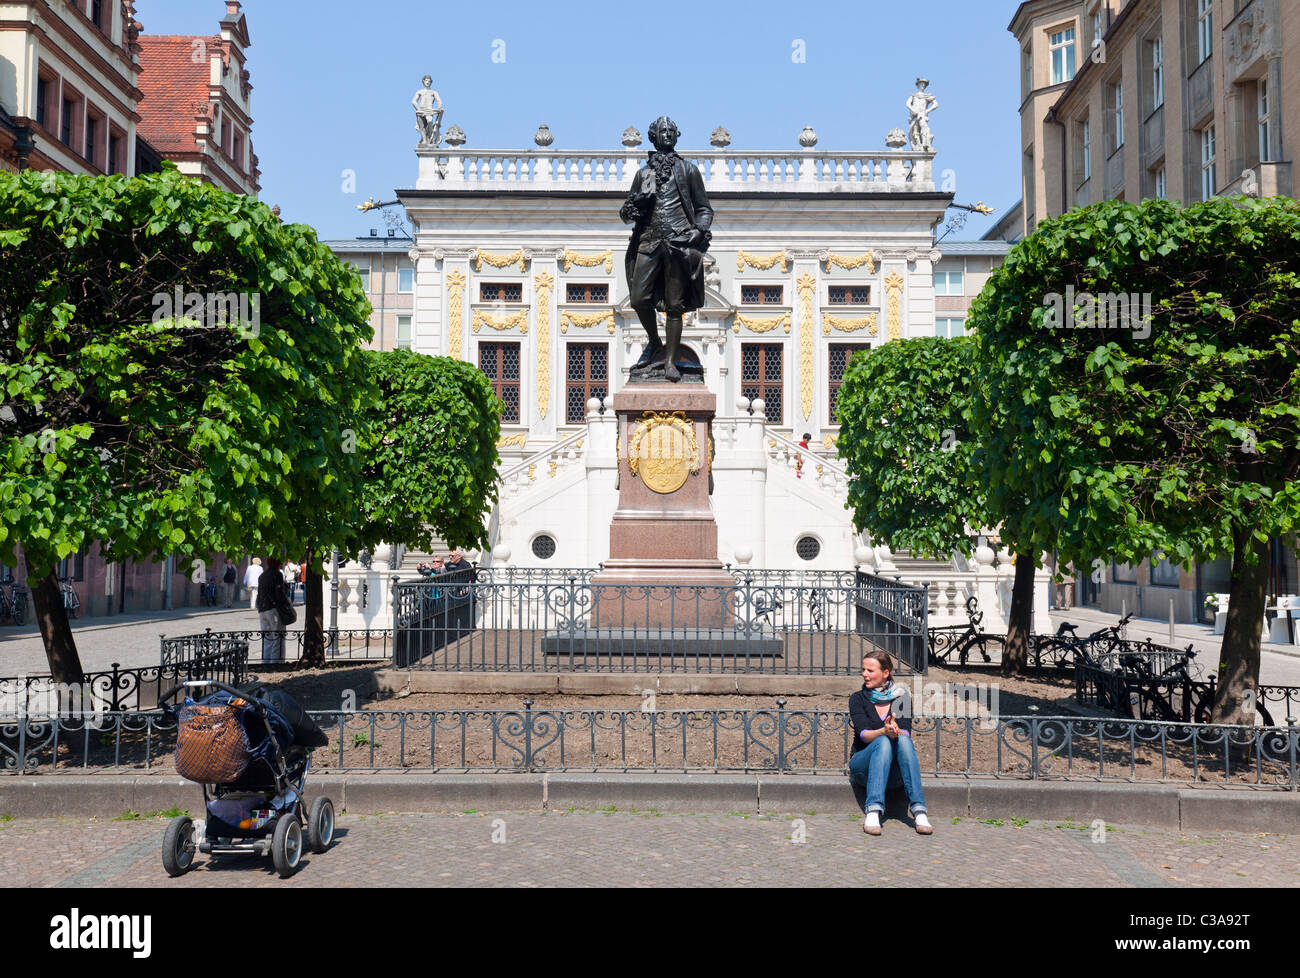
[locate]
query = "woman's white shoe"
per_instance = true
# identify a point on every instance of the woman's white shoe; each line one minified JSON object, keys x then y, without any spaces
{"x":871,"y":824}
{"x":923,"y":826}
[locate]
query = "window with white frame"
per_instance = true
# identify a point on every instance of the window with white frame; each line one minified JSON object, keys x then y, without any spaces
{"x":363,"y":271}
{"x":1204,"y":29}
{"x":950,"y":327}
{"x":1157,"y":73}
{"x":1117,"y":101}
{"x":1098,"y":26}
{"x":1209,"y":170}
{"x":1264,"y":154}
{"x":949,"y":283}
{"x":1027,"y":69}
{"x":1061,"y":44}
{"x":403,"y":333}
{"x":1160,"y":187}
{"x":1087,"y":149}
{"x":405,"y":280}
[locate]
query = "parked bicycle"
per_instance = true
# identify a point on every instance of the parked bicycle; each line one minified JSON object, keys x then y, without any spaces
{"x":949,"y":640}
{"x":1068,"y":649}
{"x":14,"y":604}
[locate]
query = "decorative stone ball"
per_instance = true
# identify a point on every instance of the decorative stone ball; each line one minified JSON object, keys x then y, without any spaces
{"x":543,"y":136}
{"x":742,"y":404}
{"x":455,"y":136}
{"x":896,"y":138}
{"x":984,"y":555}
{"x":864,"y":555}
{"x":759,"y":405}
{"x":593,"y":405}
{"x":382,"y":557}
{"x":808,"y":138}
{"x":744,"y":554}
{"x":501,"y":553}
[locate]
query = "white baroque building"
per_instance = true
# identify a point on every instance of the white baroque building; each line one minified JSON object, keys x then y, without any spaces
{"x":517,"y":266}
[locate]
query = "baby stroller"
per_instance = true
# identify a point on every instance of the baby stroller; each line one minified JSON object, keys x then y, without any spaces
{"x":255,"y":754}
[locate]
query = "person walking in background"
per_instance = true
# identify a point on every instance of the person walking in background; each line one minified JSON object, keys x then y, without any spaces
{"x":798,"y":462}
{"x":273,"y":606}
{"x":290,"y":574}
{"x":228,"y":580}
{"x":251,"y":578}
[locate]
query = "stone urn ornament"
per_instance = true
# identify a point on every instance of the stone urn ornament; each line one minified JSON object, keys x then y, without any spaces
{"x":720,"y":138}
{"x":896,"y":138}
{"x":543,"y":136}
{"x":455,"y":136}
{"x":808,"y":138}
{"x":631,"y":137}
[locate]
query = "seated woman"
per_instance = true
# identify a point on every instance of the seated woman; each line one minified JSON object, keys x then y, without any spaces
{"x":883,"y":753}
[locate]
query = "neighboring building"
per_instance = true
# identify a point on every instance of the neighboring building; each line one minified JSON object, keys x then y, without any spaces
{"x":68,"y":81}
{"x":196,"y":107}
{"x":387,"y":272}
{"x":960,"y":275}
{"x":1184,"y":99}
{"x":82,"y":90}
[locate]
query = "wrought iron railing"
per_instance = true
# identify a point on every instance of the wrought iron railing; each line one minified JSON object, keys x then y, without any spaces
{"x":341,"y":644}
{"x":223,"y":658}
{"x":580,"y":625}
{"x":775,"y":740}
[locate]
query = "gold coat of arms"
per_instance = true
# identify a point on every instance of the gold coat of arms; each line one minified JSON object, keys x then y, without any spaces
{"x":664,"y":451}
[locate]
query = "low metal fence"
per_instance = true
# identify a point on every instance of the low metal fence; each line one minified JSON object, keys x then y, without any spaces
{"x":268,"y":647}
{"x":222,"y":658}
{"x":775,"y":740}
{"x":473,"y":625}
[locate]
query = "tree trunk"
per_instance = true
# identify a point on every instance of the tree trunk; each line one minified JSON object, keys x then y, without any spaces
{"x":56,"y":633}
{"x":313,"y":626}
{"x":1015,"y":658}
{"x":1239,"y":658}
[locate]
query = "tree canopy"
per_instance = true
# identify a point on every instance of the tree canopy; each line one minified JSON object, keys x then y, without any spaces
{"x":1128,"y":433}
{"x":179,"y":373}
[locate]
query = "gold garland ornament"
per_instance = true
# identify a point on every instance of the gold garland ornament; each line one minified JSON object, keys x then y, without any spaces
{"x":499,"y":323}
{"x":516,"y":440}
{"x":664,"y":451}
{"x":894,"y":288}
{"x":542,"y":281}
{"x":760,"y":324}
{"x":582,"y":320}
{"x":499,"y":260}
{"x":848,"y":325}
{"x":605,"y":258}
{"x":850,"y":262}
{"x":807,"y":285}
{"x":761,"y":262}
{"x":455,"y":297}
{"x":829,"y":442}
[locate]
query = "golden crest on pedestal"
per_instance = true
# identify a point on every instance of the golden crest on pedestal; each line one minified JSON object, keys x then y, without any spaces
{"x":664,"y":451}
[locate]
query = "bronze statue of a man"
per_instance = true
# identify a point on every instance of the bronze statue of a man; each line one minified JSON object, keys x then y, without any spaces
{"x":665,"y":259}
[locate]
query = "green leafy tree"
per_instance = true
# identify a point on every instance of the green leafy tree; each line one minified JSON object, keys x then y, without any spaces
{"x":1178,"y":433}
{"x":909,"y":447}
{"x":177,"y":370}
{"x":428,"y":454}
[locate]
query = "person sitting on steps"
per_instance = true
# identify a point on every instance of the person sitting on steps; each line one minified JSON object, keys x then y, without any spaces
{"x":883,"y":753}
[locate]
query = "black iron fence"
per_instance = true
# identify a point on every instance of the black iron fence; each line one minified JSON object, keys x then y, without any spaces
{"x":222,"y":658}
{"x":752,"y":626}
{"x":267,"y":647}
{"x":774,"y":740}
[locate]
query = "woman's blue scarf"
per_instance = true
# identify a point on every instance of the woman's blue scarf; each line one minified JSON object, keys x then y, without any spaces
{"x":887,"y":693}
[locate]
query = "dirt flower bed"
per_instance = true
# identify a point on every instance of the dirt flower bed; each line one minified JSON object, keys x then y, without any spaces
{"x":458,"y":732}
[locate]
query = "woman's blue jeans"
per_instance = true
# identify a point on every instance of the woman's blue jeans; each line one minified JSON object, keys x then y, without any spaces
{"x":887,"y":763}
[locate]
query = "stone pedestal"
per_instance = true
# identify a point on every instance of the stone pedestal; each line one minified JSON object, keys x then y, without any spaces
{"x":663,"y":534}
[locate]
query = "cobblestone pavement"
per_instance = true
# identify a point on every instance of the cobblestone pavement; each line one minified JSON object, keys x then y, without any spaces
{"x":646,"y":849}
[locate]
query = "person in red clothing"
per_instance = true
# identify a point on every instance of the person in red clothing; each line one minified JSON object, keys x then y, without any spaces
{"x":798,"y":462}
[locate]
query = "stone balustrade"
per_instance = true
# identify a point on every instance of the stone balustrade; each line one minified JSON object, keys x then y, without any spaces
{"x":830,"y":171}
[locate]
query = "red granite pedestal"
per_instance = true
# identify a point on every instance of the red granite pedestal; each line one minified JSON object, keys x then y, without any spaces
{"x":661,"y":541}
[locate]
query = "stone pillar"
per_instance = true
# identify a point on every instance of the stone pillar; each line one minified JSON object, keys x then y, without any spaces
{"x":602,"y":477}
{"x":427,"y":314}
{"x":546,"y":398}
{"x":664,"y":532}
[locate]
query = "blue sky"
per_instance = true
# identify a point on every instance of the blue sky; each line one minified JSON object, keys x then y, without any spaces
{"x":333,"y":82}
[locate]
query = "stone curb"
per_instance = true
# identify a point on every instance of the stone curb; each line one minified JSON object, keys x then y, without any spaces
{"x":1159,"y":806}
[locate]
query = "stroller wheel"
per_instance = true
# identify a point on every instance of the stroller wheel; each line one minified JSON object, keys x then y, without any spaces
{"x":286,"y":845}
{"x":320,"y":825}
{"x":178,"y":846}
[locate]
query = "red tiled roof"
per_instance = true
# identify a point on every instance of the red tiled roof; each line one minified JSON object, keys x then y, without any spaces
{"x":173,"y":87}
